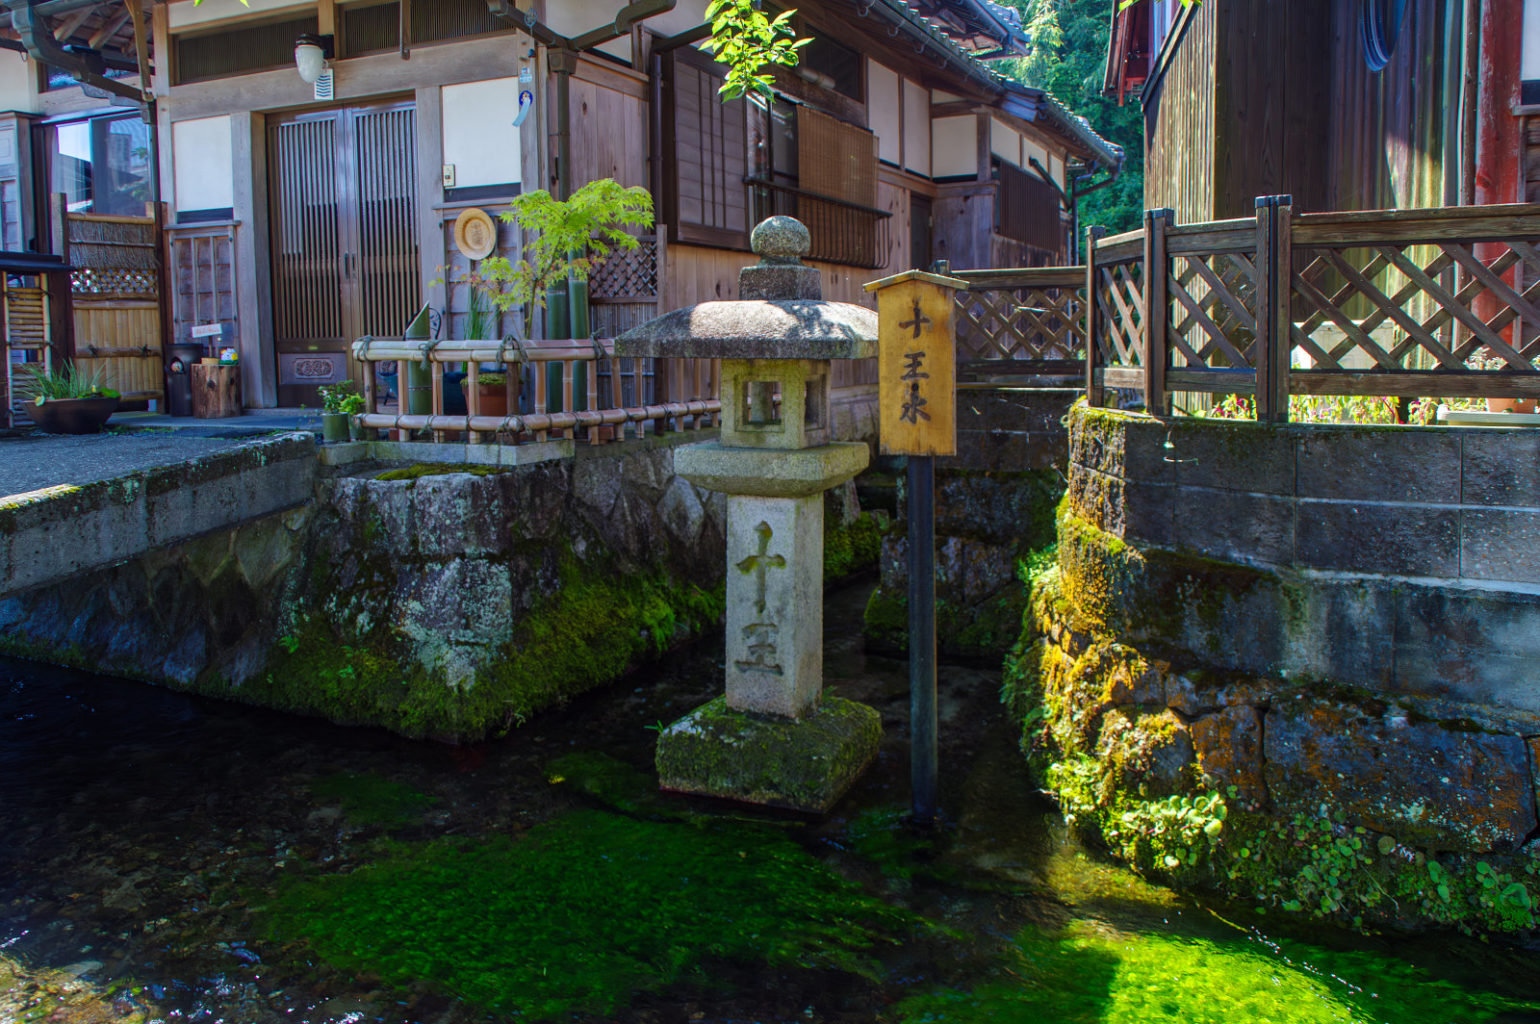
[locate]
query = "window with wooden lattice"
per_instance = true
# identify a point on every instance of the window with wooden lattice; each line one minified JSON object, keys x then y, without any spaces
{"x":1027,"y":208}
{"x":705,"y":152}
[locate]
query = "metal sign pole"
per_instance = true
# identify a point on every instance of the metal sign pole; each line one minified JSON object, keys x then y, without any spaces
{"x":922,"y":637}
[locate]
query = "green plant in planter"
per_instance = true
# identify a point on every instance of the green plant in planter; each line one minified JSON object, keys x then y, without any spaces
{"x":339,"y":403}
{"x":63,"y":384}
{"x":569,"y":239}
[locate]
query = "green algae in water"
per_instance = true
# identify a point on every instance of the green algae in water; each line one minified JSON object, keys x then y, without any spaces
{"x":585,"y":910}
{"x":1087,"y":975}
{"x":371,"y":799}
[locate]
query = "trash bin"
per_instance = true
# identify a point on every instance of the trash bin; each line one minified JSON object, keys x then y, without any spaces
{"x":179,"y":378}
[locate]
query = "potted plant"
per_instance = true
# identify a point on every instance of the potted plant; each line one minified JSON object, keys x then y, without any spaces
{"x":491,"y":393}
{"x":339,"y":403}
{"x":70,"y":401}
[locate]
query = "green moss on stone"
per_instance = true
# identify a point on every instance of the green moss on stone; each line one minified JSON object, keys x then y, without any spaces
{"x":423,"y":469}
{"x":1093,"y":973}
{"x":372,"y":799}
{"x":597,"y":626}
{"x":982,"y":633}
{"x":848,"y":549}
{"x":803,"y":765}
{"x":585,"y":912}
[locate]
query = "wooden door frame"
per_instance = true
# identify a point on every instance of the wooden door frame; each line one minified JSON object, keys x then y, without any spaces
{"x":349,"y":213}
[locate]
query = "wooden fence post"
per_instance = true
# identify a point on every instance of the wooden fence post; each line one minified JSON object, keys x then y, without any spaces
{"x":1093,"y":391}
{"x":1273,"y":342}
{"x":1283,"y":319}
{"x":1156,"y":311}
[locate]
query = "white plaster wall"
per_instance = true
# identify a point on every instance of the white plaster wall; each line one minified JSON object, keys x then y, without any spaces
{"x":203,"y":164}
{"x":1031,"y":150}
{"x":954,"y":145}
{"x":917,"y":128}
{"x":942,"y":96}
{"x":1004,"y":141}
{"x":1531,"y":60}
{"x":18,"y":83}
{"x":479,"y":136}
{"x":685,"y":16}
{"x":184,"y":14}
{"x":575,"y":17}
{"x":882,"y":113}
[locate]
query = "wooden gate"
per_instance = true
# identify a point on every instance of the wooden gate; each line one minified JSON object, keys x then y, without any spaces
{"x":115,"y":290}
{"x":344,"y":238}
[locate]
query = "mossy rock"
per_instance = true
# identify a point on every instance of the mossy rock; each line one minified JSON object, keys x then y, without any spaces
{"x":801,"y":765}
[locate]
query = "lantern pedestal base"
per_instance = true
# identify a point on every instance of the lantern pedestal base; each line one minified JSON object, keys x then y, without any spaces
{"x":802,"y":765}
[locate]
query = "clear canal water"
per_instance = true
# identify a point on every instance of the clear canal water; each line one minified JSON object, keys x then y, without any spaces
{"x":168,"y":858}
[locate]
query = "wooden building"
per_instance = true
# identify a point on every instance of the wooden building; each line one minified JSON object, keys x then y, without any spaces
{"x":1343,"y":104}
{"x":302,"y":216}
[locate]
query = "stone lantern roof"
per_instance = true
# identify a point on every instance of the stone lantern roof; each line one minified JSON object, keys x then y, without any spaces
{"x":781,"y":315}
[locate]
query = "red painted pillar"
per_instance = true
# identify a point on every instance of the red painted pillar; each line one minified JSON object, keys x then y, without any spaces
{"x":1499,"y":133}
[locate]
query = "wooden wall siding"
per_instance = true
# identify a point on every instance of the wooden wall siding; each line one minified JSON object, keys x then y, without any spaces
{"x":895,"y":200}
{"x":1293,"y":109}
{"x":1179,"y":125}
{"x":203,"y":281}
{"x":964,"y":217}
{"x":1386,"y":128}
{"x":609,"y":135}
{"x":1272,"y":99}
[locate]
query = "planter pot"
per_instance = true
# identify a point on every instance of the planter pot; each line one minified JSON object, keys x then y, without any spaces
{"x":492,"y":399}
{"x":356,"y":430}
{"x":73,"y":415}
{"x":1510,"y":405}
{"x":334,"y":426}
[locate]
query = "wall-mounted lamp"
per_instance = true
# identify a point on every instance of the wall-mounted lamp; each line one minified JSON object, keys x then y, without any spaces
{"x":310,"y":55}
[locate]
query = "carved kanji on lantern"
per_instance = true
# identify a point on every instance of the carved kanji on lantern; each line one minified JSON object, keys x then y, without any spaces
{"x":916,"y":364}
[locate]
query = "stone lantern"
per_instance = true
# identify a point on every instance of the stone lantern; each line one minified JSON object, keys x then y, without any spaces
{"x":773,"y":738}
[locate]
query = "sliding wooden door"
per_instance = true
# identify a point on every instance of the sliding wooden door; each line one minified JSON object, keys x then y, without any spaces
{"x":344,"y":237}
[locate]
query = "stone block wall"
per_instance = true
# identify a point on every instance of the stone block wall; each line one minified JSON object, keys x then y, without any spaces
{"x":1330,"y":631}
{"x":451,"y":605}
{"x":1406,"y":558}
{"x":994,"y":505}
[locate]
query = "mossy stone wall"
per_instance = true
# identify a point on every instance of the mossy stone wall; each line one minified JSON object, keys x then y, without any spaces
{"x":1246,"y":726}
{"x":448,"y":605}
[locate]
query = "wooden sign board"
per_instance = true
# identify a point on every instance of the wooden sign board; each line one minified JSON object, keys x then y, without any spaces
{"x":916,"y":364}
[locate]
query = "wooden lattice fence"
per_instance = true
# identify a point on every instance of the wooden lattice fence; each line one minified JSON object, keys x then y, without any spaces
{"x":115,"y":286}
{"x":1407,"y":303}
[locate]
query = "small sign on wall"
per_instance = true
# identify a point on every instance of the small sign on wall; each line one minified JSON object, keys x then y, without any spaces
{"x":916,"y":364}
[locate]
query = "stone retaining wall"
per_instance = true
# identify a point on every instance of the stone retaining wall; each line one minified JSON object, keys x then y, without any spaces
{"x":994,"y":503}
{"x":1246,"y":671}
{"x":1404,"y":558}
{"x":55,"y":533}
{"x":448,"y":606}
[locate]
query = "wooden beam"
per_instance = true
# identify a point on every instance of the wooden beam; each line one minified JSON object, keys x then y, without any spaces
{"x":110,"y":28}
{"x":69,"y":26}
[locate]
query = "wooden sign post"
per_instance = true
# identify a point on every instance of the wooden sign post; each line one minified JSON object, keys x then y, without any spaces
{"x":917,"y":417}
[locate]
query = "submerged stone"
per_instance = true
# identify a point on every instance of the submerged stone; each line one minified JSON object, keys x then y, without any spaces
{"x":804,"y":765}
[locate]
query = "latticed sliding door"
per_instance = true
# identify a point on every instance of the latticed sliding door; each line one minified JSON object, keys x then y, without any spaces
{"x":344,"y":243}
{"x":389,"y":277}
